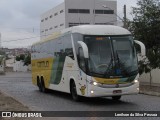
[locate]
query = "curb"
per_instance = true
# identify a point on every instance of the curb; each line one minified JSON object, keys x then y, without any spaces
{"x":150,"y":93}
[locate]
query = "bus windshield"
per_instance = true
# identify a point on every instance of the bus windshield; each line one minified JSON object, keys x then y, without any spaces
{"x":111,"y":56}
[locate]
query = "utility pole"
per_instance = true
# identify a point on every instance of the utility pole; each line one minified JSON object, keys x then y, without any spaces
{"x":125,"y":17}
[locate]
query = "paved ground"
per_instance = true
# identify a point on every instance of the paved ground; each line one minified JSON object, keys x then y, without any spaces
{"x":19,"y":86}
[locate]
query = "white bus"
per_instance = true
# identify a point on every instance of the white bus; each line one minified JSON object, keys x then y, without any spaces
{"x":89,"y":61}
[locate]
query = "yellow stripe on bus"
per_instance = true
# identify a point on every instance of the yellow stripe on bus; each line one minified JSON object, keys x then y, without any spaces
{"x":107,"y":81}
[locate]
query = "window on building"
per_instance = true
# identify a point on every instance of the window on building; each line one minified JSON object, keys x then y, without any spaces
{"x":104,"y":11}
{"x":61,"y":11}
{"x":46,"y":29}
{"x":86,"y":11}
{"x":50,"y":28}
{"x":55,"y":14}
{"x":76,"y":24}
{"x":42,"y":20}
{"x":51,"y":16}
{"x":42,"y":31}
{"x":104,"y":23}
{"x":46,"y":18}
{"x":61,"y":24}
{"x":55,"y":26}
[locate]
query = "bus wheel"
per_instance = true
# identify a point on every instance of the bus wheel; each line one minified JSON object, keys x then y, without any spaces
{"x":39,"y":84}
{"x":74,"y":92}
{"x":116,"y":97}
{"x":42,"y":86}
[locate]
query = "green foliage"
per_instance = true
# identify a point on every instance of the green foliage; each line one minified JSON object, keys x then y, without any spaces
{"x":17,"y":58}
{"x":2,"y":52}
{"x":146,"y":28}
{"x":27,"y":60}
{"x":20,"y":57}
{"x":1,"y":59}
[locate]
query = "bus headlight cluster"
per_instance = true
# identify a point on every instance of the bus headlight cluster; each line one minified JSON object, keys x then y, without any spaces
{"x":94,"y":83}
{"x":135,"y":81}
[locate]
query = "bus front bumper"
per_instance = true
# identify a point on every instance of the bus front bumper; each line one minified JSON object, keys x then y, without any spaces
{"x":96,"y":91}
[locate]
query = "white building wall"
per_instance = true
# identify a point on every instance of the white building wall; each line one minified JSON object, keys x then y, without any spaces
{"x":52,"y":24}
{"x":18,"y":66}
{"x":91,"y":5}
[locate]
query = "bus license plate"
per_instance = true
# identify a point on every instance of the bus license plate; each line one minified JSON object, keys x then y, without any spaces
{"x":117,"y":91}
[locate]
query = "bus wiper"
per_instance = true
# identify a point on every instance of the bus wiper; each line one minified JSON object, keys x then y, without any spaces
{"x":106,"y":73}
{"x":121,"y":66}
{"x":117,"y":56}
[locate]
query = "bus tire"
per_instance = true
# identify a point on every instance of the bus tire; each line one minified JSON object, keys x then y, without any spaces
{"x":73,"y":89}
{"x":116,"y":97}
{"x":42,"y":86}
{"x":39,"y":84}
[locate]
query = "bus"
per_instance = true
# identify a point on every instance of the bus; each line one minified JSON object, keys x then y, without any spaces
{"x":89,"y":61}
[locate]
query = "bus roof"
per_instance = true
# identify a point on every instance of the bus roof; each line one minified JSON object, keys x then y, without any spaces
{"x":89,"y":30}
{"x":97,"y":30}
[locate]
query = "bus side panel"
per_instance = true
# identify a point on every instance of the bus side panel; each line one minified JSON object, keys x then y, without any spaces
{"x":42,"y":68}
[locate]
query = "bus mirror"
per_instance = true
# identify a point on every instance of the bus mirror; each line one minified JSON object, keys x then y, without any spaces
{"x":142,"y":46}
{"x":84,"y":48}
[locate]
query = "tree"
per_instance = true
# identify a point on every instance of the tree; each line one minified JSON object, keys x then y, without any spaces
{"x":20,"y":57}
{"x":27,"y":60}
{"x":2,"y":52}
{"x":146,"y":28}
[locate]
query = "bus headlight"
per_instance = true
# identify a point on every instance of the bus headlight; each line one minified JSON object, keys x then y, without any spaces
{"x":136,"y":81}
{"x":95,"y":83}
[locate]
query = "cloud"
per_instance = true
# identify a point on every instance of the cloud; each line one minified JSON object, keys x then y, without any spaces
{"x":20,"y":39}
{"x":21,"y":19}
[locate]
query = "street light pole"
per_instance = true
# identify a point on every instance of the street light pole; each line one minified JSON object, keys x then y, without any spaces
{"x":125,"y":17}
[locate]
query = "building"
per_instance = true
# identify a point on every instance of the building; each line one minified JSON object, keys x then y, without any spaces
{"x":78,"y":12}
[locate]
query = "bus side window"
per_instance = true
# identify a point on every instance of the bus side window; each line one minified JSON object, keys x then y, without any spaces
{"x":68,"y":46}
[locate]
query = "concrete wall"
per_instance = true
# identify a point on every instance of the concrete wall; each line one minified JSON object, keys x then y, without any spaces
{"x":18,"y":66}
{"x":145,"y":78}
{"x":1,"y":68}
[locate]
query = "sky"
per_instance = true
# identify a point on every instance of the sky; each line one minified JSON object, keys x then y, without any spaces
{"x":20,"y":19}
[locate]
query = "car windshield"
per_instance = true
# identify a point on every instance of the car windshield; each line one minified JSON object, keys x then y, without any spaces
{"x":111,"y":56}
